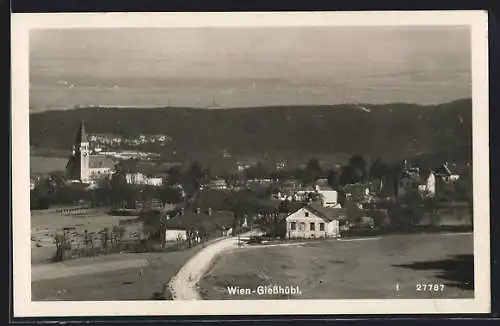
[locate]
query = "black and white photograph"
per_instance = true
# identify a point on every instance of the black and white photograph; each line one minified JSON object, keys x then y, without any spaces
{"x":232,"y":161}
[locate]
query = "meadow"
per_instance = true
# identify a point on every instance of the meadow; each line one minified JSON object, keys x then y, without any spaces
{"x":390,"y":267}
{"x":42,"y":165}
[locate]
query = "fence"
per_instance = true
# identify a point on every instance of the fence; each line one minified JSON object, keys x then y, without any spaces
{"x":128,"y":237}
{"x":76,"y":211}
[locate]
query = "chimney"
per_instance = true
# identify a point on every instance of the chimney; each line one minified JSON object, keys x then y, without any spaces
{"x":209,"y":211}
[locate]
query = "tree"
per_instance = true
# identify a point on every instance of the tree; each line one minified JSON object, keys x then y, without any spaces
{"x":392,"y":177}
{"x":413,"y":209}
{"x":170,"y":195}
{"x":311,"y":173}
{"x":358,"y":165}
{"x":431,"y":206}
{"x":350,"y":175}
{"x":41,"y":196}
{"x":174,"y":175}
{"x":332,"y":178}
{"x":121,"y":192}
{"x":58,"y":178}
{"x":378,"y":169}
{"x":194,"y":177}
{"x":313,"y":165}
{"x":257,"y":171}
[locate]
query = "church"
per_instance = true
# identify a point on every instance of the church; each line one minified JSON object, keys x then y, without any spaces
{"x":84,"y":166}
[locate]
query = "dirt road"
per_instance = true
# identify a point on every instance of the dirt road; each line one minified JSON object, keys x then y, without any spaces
{"x":184,"y":285}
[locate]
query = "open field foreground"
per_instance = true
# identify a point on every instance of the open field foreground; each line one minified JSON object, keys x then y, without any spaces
{"x":129,"y":276}
{"x":396,"y":266}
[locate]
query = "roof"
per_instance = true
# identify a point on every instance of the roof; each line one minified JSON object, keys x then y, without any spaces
{"x":81,"y":136}
{"x":281,"y":206}
{"x":424,"y":175}
{"x":100,"y":161}
{"x":212,"y":222}
{"x":411,"y":176}
{"x":443,"y":170}
{"x":327,"y":213}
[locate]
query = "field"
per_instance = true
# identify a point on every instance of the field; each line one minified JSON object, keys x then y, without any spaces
{"x":378,"y":268}
{"x":126,"y":276}
{"x":41,"y":164}
{"x":44,"y":224}
{"x":120,"y":284}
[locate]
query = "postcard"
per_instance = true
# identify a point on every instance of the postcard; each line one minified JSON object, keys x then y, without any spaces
{"x":277,"y":163}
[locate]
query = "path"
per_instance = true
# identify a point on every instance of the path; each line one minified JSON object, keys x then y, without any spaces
{"x":183,"y":286}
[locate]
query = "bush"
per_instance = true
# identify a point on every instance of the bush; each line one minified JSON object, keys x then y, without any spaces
{"x":255,"y":239}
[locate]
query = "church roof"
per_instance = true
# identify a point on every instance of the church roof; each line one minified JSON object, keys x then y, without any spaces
{"x":81,"y":136}
{"x":101,"y":161}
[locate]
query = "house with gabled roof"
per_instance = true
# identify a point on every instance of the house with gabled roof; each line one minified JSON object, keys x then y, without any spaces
{"x":418,"y":180}
{"x":314,"y":221}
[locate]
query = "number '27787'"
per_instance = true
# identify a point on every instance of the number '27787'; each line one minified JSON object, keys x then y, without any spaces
{"x":430,"y":287}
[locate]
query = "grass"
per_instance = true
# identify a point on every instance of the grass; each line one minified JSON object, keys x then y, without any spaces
{"x":389,"y":267}
{"x":42,"y":164}
{"x":44,"y":224}
{"x":126,"y":284}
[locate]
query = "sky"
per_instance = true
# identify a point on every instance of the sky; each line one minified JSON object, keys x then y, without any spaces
{"x":231,"y":67}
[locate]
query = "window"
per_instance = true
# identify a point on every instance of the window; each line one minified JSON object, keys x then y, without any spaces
{"x":293,"y":226}
{"x":312,"y":226}
{"x":322,"y":226}
{"x":306,"y":214}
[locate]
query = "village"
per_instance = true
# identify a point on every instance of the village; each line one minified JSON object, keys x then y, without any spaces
{"x":180,"y":209}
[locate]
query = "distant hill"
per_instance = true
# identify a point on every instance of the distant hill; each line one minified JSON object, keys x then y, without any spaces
{"x":388,"y":131}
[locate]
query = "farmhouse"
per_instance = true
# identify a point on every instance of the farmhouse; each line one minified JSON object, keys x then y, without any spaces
{"x":315,"y":221}
{"x":445,"y":175}
{"x":415,"y":179}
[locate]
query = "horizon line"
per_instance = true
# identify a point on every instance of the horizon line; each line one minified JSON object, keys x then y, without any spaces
{"x":222,"y":107}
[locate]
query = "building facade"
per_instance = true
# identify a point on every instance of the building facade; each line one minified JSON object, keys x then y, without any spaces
{"x":314,"y":221}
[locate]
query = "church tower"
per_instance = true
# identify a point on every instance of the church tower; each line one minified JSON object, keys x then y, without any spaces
{"x":79,"y":164}
{"x":84,"y":151}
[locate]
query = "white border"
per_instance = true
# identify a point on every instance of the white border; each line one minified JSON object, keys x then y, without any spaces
{"x":22,"y":23}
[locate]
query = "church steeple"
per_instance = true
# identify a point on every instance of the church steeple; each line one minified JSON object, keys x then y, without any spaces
{"x":81,"y":136}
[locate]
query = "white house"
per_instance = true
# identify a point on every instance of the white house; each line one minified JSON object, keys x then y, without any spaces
{"x":218,"y":184}
{"x":135,"y":178}
{"x":175,"y":235}
{"x":428,"y":186}
{"x":154,"y":181}
{"x":314,"y":221}
{"x":329,"y":197}
{"x":139,"y":178}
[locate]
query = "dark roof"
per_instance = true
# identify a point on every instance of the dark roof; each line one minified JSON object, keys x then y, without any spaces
{"x":190,"y":219}
{"x":443,"y":170}
{"x":327,"y":213}
{"x":101,"y":161}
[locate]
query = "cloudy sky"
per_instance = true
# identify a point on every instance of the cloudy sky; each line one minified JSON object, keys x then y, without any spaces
{"x":249,"y":66}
